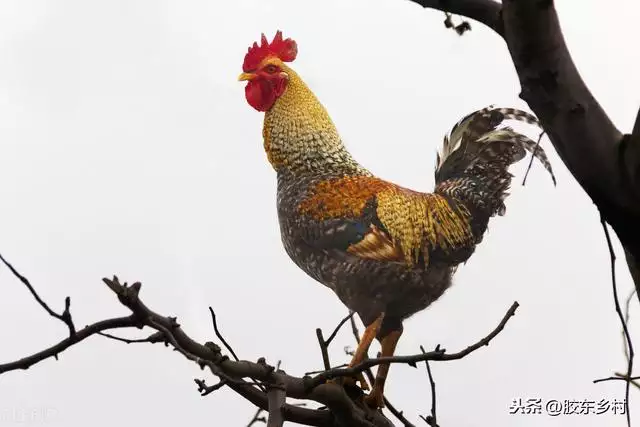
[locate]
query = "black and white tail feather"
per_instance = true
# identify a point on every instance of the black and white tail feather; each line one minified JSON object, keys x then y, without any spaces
{"x":473,"y":162}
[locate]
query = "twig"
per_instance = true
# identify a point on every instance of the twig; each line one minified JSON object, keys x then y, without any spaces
{"x":484,"y":11}
{"x":394,"y":411}
{"x":219,"y":335}
{"x":323,"y":349}
{"x":205,"y":389}
{"x":337,"y":329}
{"x":153,"y":338}
{"x":627,"y":315}
{"x":54,"y":350}
{"x":354,"y":329}
{"x":533,"y":155}
{"x":618,"y":377}
{"x":439,"y":354}
{"x":461,"y":28}
{"x":65,"y":317}
{"x":324,"y":344}
{"x":257,"y":418}
{"x":621,"y":316}
{"x":431,"y":419}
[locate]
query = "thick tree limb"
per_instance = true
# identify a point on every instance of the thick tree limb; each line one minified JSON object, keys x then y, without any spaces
{"x":277,"y":397}
{"x":605,"y":162}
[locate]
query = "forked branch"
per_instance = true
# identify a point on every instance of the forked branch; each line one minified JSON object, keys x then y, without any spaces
{"x":265,"y":386}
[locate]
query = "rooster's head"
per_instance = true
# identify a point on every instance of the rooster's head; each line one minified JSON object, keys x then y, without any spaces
{"x":265,"y":72}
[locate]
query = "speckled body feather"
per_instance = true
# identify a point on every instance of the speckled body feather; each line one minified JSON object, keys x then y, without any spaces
{"x":381,"y":247}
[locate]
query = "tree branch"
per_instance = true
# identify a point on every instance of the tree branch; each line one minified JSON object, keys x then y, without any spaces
{"x":432,"y":419}
{"x":257,"y":418}
{"x":279,"y":385}
{"x":219,"y":335}
{"x":585,"y":138}
{"x":623,"y":321}
{"x":324,"y":344}
{"x":484,"y":11}
{"x":580,"y":130}
{"x":342,"y":410}
{"x":277,"y":397}
{"x":437,"y":354}
{"x":65,"y":317}
{"x":605,"y":162}
{"x":82,"y":334}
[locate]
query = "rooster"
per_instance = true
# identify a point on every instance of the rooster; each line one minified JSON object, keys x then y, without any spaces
{"x":386,"y":251}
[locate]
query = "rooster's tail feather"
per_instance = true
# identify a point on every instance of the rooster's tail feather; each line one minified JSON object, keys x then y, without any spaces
{"x":474,"y":160}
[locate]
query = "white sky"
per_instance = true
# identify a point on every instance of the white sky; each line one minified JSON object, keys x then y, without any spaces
{"x":128,"y":148}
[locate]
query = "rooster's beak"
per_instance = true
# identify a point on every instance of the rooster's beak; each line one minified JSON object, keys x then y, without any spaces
{"x":246,"y":76}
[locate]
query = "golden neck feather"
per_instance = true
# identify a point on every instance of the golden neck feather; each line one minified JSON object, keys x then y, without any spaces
{"x":300,"y":136}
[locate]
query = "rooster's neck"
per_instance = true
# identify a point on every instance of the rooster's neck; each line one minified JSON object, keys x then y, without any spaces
{"x":299,"y":135}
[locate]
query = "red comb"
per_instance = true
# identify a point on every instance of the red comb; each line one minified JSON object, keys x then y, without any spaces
{"x":286,"y":50}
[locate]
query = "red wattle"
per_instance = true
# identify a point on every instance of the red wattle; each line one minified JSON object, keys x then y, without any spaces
{"x":260,"y":94}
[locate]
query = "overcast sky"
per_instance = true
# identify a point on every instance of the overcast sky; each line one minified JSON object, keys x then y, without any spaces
{"x":128,"y":148}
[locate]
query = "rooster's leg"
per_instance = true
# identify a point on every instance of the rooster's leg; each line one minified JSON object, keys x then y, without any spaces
{"x":363,"y":347}
{"x":376,"y":397}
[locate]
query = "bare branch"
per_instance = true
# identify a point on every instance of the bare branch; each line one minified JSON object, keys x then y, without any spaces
{"x":65,"y":317}
{"x":620,"y":377}
{"x":438,"y":354}
{"x":324,"y":345}
{"x":627,"y":315}
{"x":342,"y":409}
{"x":257,"y":418}
{"x":622,"y":319}
{"x":277,"y":397}
{"x":209,"y":355}
{"x":219,"y":335}
{"x":337,"y":329}
{"x":460,"y":29}
{"x":484,"y":11}
{"x":54,"y":350}
{"x":153,"y":338}
{"x":431,"y":419}
{"x":324,"y":349}
{"x":205,"y":389}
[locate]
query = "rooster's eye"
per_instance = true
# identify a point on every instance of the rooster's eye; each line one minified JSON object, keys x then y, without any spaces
{"x":271,"y":69}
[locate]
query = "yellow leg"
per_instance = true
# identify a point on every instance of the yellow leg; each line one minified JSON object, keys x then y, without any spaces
{"x":361,"y":351}
{"x":376,"y":397}
{"x":365,"y":342}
